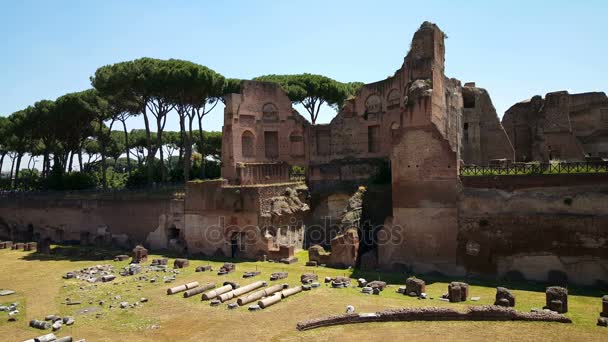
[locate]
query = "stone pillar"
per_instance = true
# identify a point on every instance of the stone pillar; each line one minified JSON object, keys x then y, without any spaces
{"x":604,"y":312}
{"x":557,"y":299}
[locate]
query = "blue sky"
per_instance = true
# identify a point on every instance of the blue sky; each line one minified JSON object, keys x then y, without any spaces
{"x":514,"y":49}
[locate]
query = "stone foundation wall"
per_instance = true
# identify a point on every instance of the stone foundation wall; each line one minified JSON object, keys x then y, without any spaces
{"x":123,"y":220}
{"x":543,"y":234}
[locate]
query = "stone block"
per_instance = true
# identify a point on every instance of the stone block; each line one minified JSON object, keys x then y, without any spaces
{"x":554,"y":294}
{"x":414,"y":286}
{"x":504,"y":297}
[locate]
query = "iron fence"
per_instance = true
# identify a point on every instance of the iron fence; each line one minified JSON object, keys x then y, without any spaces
{"x":536,"y":168}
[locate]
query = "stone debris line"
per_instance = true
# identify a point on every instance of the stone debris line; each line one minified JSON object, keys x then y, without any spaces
{"x":182,"y":288}
{"x":259,"y":294}
{"x":214,"y":293}
{"x":478,"y":313}
{"x":198,"y":290}
{"x":107,"y":273}
{"x":241,"y":290}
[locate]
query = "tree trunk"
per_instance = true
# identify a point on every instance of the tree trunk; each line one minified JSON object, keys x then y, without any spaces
{"x":2,"y":162}
{"x":182,"y":138}
{"x":17,"y":169}
{"x":124,"y":126}
{"x":71,"y":162}
{"x":102,"y":145}
{"x":159,"y":144}
{"x":12,"y":169}
{"x":188,"y":150}
{"x":150,"y":160}
{"x":80,"y":159}
{"x":29,"y":163}
{"x":201,"y":147}
{"x":45,"y":159}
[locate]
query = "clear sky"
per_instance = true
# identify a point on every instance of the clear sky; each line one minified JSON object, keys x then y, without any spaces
{"x":514,"y":49}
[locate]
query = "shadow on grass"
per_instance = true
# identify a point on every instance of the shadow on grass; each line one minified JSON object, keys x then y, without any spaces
{"x":93,"y":253}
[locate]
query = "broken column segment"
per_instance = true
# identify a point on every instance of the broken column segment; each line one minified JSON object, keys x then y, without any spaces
{"x":140,"y":254}
{"x":458,"y":291}
{"x":604,"y":312}
{"x":414,"y":287}
{"x":182,"y":288}
{"x":504,"y":297}
{"x":191,"y":292}
{"x":181,"y":263}
{"x":557,"y":299}
{"x":214,"y":293}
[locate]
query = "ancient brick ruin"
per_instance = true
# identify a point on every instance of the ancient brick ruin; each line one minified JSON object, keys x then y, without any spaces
{"x":416,"y":128}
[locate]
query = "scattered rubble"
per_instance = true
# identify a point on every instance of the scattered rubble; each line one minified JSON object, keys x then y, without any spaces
{"x":278,"y":275}
{"x":228,"y":267}
{"x":308,"y":278}
{"x":340,"y":282}
{"x":251,"y":274}
{"x":203,"y":268}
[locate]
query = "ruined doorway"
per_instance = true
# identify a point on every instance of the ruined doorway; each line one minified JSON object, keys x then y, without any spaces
{"x":237,"y":245}
{"x":174,"y":239}
{"x":172,"y":233}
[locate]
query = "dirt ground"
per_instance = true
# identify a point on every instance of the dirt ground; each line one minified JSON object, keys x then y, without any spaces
{"x":42,"y":291}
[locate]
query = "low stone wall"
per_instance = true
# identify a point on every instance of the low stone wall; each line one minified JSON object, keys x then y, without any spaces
{"x":475,"y":313}
{"x":121,"y":219}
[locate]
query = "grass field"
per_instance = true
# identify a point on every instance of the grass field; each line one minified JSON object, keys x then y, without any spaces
{"x":41,"y":291}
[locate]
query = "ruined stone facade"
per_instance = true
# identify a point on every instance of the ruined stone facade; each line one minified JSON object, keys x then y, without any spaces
{"x":417,"y":125}
{"x":561,"y":126}
{"x":245,"y":221}
{"x":483,"y":138}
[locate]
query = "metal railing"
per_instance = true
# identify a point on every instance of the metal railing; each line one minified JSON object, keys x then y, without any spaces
{"x":516,"y":169}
